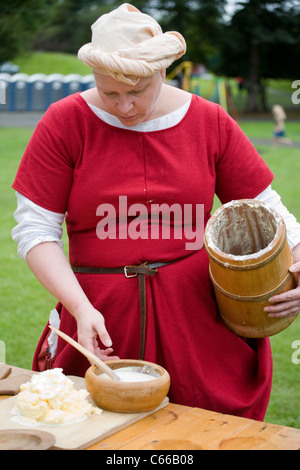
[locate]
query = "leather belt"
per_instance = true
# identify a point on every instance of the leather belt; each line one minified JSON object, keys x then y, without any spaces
{"x":142,"y":270}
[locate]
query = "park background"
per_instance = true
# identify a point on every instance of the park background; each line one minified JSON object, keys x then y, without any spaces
{"x":258,"y":42}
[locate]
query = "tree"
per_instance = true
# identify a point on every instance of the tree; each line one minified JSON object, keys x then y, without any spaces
{"x":19,"y":21}
{"x":70,"y":27}
{"x":197,"y":20}
{"x":260,"y":42}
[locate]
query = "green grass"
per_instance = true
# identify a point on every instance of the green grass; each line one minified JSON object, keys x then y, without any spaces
{"x":25,"y":304}
{"x":265,"y":129}
{"x":51,"y":62}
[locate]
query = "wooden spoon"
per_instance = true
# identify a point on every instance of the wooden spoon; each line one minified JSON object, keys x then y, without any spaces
{"x":89,"y":355}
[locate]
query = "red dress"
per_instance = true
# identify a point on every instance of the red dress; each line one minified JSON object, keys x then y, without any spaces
{"x":78,"y":164}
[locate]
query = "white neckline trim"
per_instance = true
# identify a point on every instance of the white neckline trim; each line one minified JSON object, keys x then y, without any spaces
{"x":163,"y":122}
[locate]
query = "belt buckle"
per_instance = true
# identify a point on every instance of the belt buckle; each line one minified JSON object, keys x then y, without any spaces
{"x":126,"y":272}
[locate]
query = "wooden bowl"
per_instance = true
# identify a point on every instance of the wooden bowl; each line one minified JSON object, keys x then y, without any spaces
{"x":128,"y":397}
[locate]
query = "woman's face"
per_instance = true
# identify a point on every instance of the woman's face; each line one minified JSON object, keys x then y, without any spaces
{"x":130,"y":104}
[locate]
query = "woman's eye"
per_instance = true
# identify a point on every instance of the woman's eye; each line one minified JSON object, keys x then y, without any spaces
{"x":137,"y":92}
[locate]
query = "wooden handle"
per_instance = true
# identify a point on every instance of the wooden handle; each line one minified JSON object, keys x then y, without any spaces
{"x":4,"y":371}
{"x":88,"y":354}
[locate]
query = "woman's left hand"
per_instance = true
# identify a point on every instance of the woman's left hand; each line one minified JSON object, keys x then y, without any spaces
{"x":287,"y":304}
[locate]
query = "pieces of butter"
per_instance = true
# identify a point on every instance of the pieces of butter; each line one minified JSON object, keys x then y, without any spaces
{"x":50,"y":398}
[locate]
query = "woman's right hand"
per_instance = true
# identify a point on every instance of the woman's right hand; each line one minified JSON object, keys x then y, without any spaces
{"x":51,"y":267}
{"x":90,"y":328}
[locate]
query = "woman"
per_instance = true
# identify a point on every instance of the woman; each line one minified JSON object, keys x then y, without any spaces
{"x":111,"y":158}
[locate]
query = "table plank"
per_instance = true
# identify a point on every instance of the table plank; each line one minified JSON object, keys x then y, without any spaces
{"x":196,"y":429}
{"x":125,"y":437}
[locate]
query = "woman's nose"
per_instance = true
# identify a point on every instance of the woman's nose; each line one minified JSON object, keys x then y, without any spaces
{"x":125,"y":104}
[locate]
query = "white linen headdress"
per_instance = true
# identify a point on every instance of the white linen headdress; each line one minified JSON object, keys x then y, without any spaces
{"x":127,"y":45}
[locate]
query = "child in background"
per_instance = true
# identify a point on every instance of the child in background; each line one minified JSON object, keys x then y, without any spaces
{"x":279,"y":135}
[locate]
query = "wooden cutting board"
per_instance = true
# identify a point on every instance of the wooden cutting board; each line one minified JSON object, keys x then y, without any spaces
{"x":11,"y":378}
{"x":78,"y":435}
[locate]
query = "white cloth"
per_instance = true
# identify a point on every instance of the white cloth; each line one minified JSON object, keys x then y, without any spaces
{"x":127,"y":45}
{"x":272,"y":199}
{"x":35,"y":225}
{"x":163,"y":122}
{"x":54,"y":320}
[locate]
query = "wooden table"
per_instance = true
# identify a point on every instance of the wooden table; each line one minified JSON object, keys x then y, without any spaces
{"x":177,"y":427}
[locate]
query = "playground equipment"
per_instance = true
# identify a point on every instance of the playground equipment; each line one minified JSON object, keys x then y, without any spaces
{"x":213,"y":88}
{"x":183,"y":73}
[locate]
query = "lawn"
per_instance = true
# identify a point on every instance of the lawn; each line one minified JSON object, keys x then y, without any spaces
{"x":51,"y":62}
{"x":264,"y":130}
{"x":25,"y":304}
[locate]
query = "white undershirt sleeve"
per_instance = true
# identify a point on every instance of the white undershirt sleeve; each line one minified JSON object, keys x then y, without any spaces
{"x":270,"y":197}
{"x":35,"y":225}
